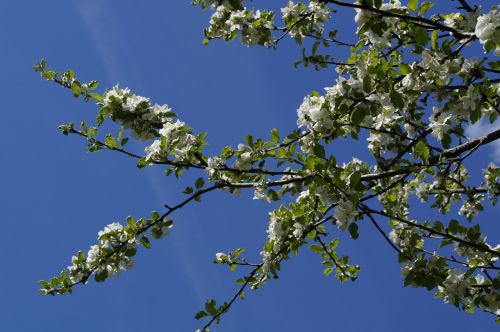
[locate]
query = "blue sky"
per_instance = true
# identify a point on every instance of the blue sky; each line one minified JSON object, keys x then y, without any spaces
{"x":55,"y":196}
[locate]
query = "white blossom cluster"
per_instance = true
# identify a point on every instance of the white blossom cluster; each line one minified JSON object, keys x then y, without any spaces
{"x":433,"y":67}
{"x":276,"y":237}
{"x":213,"y":165}
{"x":345,"y":213}
{"x":492,"y":181}
{"x":301,"y":20}
{"x":113,"y":253}
{"x":472,"y":206}
{"x":464,"y":22}
{"x":421,"y":188}
{"x":488,"y":29}
{"x":292,"y":187}
{"x":402,"y":234}
{"x":100,"y":258}
{"x":150,"y":121}
{"x":420,"y":267}
{"x":255,"y":27}
{"x":134,"y":112}
{"x":454,"y":113}
{"x":366,"y":19}
{"x":244,"y":161}
{"x":315,"y":114}
{"x":287,"y":225}
{"x":275,"y":233}
{"x":175,"y":140}
{"x":454,"y":287}
{"x":479,"y":257}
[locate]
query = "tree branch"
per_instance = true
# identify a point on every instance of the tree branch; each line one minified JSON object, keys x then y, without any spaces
{"x":434,"y":24}
{"x":430,"y":230}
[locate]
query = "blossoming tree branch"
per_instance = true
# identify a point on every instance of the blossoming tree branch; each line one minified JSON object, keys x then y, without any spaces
{"x":406,"y":85}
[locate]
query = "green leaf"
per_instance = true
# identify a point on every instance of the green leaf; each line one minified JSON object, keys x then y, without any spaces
{"x":93,"y":85}
{"x":110,"y":141}
{"x":275,"y":136}
{"x":425,"y":7}
{"x":75,"y":88}
{"x":145,"y":242}
{"x":358,"y":115}
{"x":353,"y":230}
{"x":272,"y":195}
{"x":334,"y":243}
{"x":200,"y":314}
{"x":489,"y":45}
{"x":44,"y":284}
{"x":249,"y":140}
{"x":130,"y":252}
{"x":316,"y":248}
{"x":397,"y":99}
{"x":319,"y":150}
{"x":211,"y":307}
{"x":404,"y":69}
{"x":236,"y":4}
{"x":354,"y":178}
{"x":495,"y":65}
{"x":367,"y":84}
{"x":314,"y":48}
{"x":315,"y":94}
{"x":101,"y":275}
{"x":327,"y":271}
{"x":199,"y":183}
{"x":142,"y":163}
{"x":421,"y":36}
{"x":413,"y":4}
{"x":422,"y":151}
{"x":434,"y":39}
{"x":453,"y":226}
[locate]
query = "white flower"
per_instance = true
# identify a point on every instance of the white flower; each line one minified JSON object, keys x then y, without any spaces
{"x":213,"y":164}
{"x":244,"y":162}
{"x":115,"y":93}
{"x":471,"y":207}
{"x":314,"y":115}
{"x":362,"y":16}
{"x":153,"y":151}
{"x":298,"y":230}
{"x":422,"y":191}
{"x":303,"y":195}
{"x":441,"y":125}
{"x":93,"y":254}
{"x":319,"y":11}
{"x":487,"y":28}
{"x":172,"y":130}
{"x":266,"y":261}
{"x":133,"y":101}
{"x":378,"y":141}
{"x":345,"y":212}
{"x":160,"y":109}
{"x":275,"y":233}
{"x":469,"y":65}
{"x":220,"y":256}
{"x":454,"y":287}
{"x":260,"y":193}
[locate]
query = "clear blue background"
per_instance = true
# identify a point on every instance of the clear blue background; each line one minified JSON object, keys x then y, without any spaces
{"x":55,"y":196}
